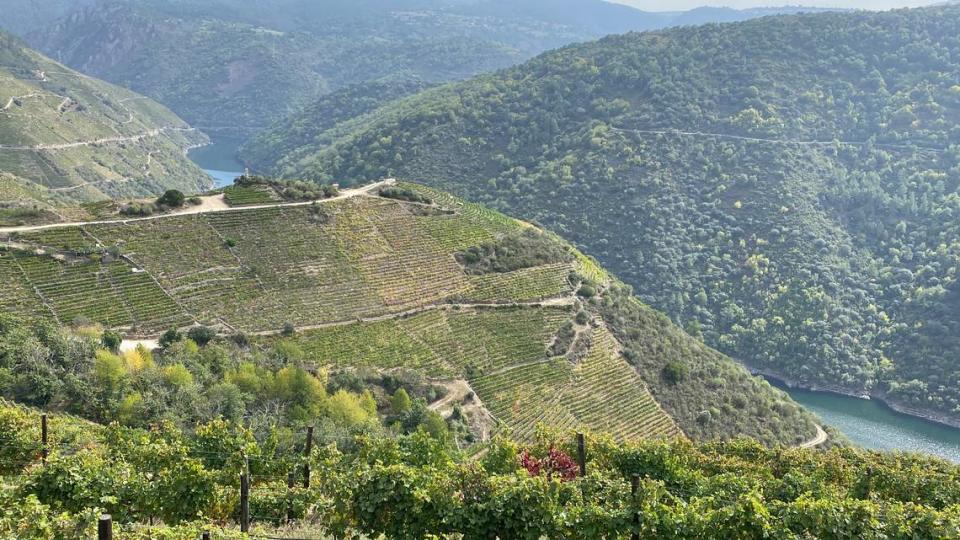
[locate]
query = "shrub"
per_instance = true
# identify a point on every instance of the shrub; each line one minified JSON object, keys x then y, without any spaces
{"x":111,"y":340}
{"x":170,"y":337}
{"x":201,"y":335}
{"x":674,"y":372}
{"x":172,"y":198}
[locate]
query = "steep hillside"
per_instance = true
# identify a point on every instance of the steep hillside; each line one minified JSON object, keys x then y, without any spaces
{"x":232,"y":68}
{"x":21,"y":17}
{"x":66,"y":137}
{"x":297,"y":134}
{"x":786,"y":187}
{"x":411,"y":279}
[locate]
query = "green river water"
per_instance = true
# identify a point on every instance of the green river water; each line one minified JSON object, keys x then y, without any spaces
{"x":219,"y":160}
{"x":872,"y":424}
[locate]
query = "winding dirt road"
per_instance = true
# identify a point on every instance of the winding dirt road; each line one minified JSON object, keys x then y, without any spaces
{"x":104,"y":140}
{"x":820,"y":438}
{"x":209,"y":204}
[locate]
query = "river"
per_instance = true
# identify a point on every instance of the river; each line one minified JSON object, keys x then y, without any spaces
{"x":871,"y":424}
{"x":219,"y":160}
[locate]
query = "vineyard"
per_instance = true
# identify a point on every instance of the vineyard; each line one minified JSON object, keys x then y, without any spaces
{"x":244,"y":195}
{"x":258,"y":269}
{"x":373,"y":282}
{"x":443,"y":342}
{"x":502,"y":353}
{"x":564,"y":395}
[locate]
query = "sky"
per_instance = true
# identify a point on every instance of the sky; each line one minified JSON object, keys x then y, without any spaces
{"x":676,"y":5}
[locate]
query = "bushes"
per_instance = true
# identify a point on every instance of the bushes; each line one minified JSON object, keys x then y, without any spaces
{"x":404,"y":194}
{"x":172,"y":198}
{"x":525,"y":249}
{"x":674,"y":371}
{"x":201,"y":335}
{"x":415,"y":486}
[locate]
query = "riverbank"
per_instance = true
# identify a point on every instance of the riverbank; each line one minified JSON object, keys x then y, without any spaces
{"x":877,"y":397}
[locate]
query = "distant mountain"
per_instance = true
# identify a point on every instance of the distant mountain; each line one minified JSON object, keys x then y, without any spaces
{"x":22,"y":17}
{"x":68,"y":137}
{"x":704,"y":15}
{"x":785,"y":187}
{"x":234,"y":67}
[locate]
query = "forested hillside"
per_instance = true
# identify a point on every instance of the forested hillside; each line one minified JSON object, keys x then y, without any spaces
{"x":525,"y":328}
{"x":67,"y":137}
{"x":786,"y":188}
{"x":233,"y":67}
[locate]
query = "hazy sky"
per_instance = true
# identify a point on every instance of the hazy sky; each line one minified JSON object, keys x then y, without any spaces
{"x":672,"y":5}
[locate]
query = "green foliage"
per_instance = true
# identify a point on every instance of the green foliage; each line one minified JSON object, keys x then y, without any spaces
{"x":111,"y":340}
{"x":260,"y":190}
{"x":674,"y":372}
{"x":170,"y":337}
{"x":527,"y":248}
{"x":172,"y":198}
{"x":415,"y":486}
{"x":201,"y":335}
{"x":403,"y":194}
{"x":400,"y":402}
{"x":785,"y":183}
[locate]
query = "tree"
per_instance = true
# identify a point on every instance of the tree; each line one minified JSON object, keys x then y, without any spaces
{"x":400,"y":402}
{"x":170,"y":337}
{"x":436,"y":426}
{"x":201,"y":335}
{"x":172,"y":198}
{"x":111,"y":340}
{"x":674,"y":372}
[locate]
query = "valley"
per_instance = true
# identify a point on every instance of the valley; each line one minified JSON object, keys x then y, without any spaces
{"x":478,"y":269}
{"x":810,"y":235}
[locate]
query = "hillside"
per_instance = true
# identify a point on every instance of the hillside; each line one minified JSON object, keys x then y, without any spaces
{"x":785,"y":187}
{"x":65,"y":137}
{"x":234,"y":67}
{"x":302,"y":132}
{"x":411,"y":279}
{"x":171,"y":483}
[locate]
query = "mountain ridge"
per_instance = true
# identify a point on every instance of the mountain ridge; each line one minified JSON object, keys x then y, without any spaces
{"x":79,"y":139}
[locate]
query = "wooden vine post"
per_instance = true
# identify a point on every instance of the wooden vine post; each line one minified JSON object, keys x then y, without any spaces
{"x":105,"y":527}
{"x":307,"y":451}
{"x":582,"y":454}
{"x":244,"y":503}
{"x":634,"y":488}
{"x":43,"y":438}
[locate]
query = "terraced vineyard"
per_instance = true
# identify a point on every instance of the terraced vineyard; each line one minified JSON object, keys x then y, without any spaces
{"x":565,"y":395}
{"x":526,"y":284}
{"x":369,"y":282}
{"x":17,"y":295}
{"x":502,"y":352}
{"x":244,"y":195}
{"x":258,"y":269}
